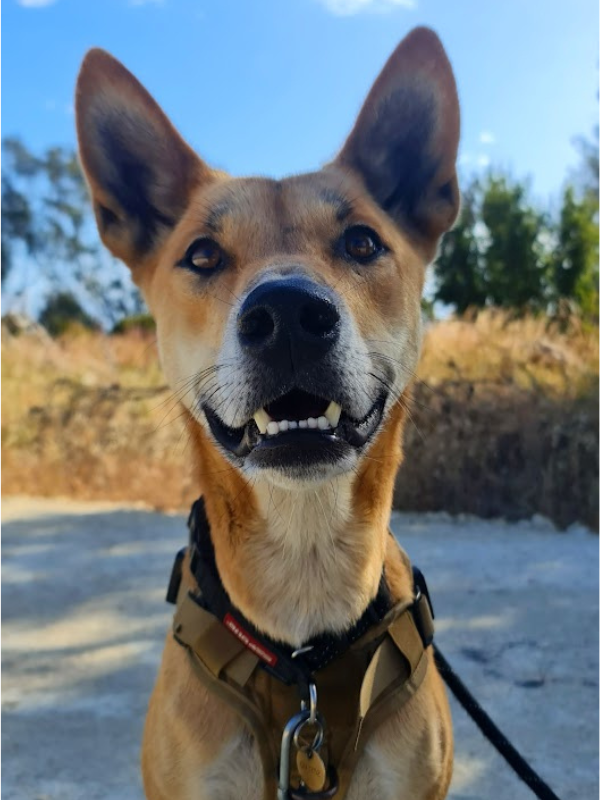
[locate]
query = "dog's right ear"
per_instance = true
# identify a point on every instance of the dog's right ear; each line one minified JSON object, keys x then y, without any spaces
{"x":140,"y":171}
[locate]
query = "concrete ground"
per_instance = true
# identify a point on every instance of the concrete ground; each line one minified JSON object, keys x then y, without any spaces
{"x":84,"y":618}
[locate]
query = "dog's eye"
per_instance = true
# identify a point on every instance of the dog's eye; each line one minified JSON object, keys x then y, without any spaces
{"x":203,"y":255}
{"x":362,"y":244}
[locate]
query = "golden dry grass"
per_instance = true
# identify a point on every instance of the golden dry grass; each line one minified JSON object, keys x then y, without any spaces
{"x":504,"y":421}
{"x":531,"y":353}
{"x":89,"y":416}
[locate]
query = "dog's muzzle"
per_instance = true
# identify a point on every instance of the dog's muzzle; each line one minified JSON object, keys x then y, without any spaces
{"x":289,"y":336}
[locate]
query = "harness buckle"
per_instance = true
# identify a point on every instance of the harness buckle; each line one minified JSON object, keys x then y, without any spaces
{"x":422,"y":608}
{"x":421,"y":586}
{"x":175,"y":579}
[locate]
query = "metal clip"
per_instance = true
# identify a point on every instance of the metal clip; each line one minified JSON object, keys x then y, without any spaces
{"x":308,"y":715}
{"x":286,"y":745}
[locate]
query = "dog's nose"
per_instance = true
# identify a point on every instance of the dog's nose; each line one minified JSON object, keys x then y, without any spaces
{"x":289,"y":322}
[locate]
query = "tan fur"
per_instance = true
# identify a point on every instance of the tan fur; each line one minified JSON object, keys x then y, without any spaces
{"x":274,"y":537}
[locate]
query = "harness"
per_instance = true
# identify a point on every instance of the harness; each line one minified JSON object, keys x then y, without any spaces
{"x":321,"y":701}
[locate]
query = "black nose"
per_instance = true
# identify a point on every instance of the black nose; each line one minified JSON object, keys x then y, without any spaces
{"x":289,"y":322}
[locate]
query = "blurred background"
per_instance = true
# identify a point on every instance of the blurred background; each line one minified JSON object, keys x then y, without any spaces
{"x":504,"y":420}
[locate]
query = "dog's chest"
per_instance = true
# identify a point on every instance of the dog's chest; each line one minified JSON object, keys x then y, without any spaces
{"x":237,"y":773}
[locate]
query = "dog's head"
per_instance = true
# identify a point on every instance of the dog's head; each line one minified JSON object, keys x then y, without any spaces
{"x":287,"y":311}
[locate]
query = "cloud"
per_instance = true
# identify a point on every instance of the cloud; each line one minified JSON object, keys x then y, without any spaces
{"x":487,"y":137}
{"x":35,"y":3}
{"x":483,"y":161}
{"x":346,"y":8}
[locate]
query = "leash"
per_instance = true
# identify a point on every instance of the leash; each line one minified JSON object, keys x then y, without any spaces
{"x":491,"y":731}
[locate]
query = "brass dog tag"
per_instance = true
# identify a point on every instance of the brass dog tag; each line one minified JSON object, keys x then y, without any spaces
{"x":312,"y":770}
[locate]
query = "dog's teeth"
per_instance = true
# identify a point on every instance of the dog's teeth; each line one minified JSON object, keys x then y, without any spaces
{"x":272,"y":427}
{"x":333,"y":414}
{"x":262,"y":420}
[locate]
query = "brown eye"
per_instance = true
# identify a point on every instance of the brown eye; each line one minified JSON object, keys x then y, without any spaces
{"x":362,"y":244}
{"x":203,"y":255}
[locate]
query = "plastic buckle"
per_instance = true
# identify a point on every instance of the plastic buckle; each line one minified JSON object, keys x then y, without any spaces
{"x":422,"y":608}
{"x":421,"y":584}
{"x":175,"y":579}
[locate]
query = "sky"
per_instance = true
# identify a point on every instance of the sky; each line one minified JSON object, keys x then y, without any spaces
{"x":272,"y":87}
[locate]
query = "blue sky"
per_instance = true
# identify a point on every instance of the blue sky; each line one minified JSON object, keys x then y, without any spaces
{"x":273,"y":86}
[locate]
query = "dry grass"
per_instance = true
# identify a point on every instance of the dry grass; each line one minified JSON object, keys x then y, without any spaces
{"x":89,"y":416}
{"x":531,"y":354}
{"x":505,"y":421}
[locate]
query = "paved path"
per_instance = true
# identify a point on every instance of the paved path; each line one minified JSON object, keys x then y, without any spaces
{"x":84,"y":619}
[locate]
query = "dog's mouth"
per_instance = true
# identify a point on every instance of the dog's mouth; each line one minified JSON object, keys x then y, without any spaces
{"x":297,"y":429}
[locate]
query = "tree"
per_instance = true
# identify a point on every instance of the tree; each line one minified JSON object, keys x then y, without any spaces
{"x":515,"y":263}
{"x":20,"y":167}
{"x":575,"y":258}
{"x":47,"y":219}
{"x":17,"y":224}
{"x":495,"y":255}
{"x":62,"y":311}
{"x":459,"y":266}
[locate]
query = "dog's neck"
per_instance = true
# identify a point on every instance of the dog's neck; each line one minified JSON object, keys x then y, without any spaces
{"x":298,"y":562}
{"x":317,"y":566}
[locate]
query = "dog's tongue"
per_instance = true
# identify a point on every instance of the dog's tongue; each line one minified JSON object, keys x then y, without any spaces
{"x":296,"y":405}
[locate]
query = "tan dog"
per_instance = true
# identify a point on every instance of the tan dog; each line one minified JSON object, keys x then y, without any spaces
{"x":288,"y":322}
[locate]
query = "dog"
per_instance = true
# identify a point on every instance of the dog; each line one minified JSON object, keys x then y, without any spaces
{"x":288,"y":324}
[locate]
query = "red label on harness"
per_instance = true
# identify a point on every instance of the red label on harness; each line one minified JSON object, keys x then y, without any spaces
{"x":248,"y":641}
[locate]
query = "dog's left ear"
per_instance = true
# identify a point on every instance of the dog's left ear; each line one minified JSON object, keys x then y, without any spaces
{"x":405,"y":141}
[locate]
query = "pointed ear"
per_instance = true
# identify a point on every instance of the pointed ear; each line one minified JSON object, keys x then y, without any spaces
{"x":139,"y":170}
{"x":405,"y":141}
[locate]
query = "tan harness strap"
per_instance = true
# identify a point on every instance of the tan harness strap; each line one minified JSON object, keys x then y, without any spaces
{"x":386,"y":666}
{"x":241,"y":668}
{"x":199,"y":630}
{"x":250,"y":715}
{"x":394,"y":674}
{"x":405,"y":636}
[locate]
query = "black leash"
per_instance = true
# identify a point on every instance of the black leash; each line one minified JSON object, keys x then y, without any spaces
{"x":491,"y":731}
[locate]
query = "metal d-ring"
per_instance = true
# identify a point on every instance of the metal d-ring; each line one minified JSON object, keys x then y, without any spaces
{"x":318,"y":737}
{"x":312,"y":720}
